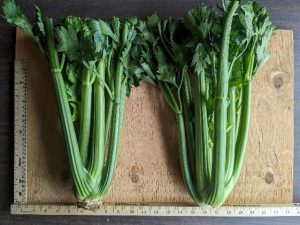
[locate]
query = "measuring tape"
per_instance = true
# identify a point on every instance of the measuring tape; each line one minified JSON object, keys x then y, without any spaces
{"x":21,"y":206}
{"x":142,"y":210}
{"x":20,"y":141}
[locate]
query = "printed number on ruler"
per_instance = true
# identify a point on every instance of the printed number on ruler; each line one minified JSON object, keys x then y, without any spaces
{"x":20,"y":151}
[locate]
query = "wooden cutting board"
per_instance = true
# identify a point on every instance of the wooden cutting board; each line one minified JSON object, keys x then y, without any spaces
{"x":148,"y":166}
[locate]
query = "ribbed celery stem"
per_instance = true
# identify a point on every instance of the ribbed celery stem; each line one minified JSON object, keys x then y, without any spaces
{"x":219,"y":154}
{"x":120,"y":83}
{"x":242,"y":137}
{"x":203,"y":154}
{"x":108,"y":101}
{"x":83,"y":185}
{"x":199,"y":150}
{"x":241,"y":144}
{"x":120,"y":94}
{"x":185,"y":168}
{"x":85,"y":115}
{"x":231,"y":135}
{"x":96,"y":161}
{"x":186,"y":96}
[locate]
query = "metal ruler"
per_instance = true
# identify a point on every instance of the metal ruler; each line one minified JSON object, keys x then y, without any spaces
{"x":148,"y":210}
{"x":20,"y":139}
{"x":21,"y":206}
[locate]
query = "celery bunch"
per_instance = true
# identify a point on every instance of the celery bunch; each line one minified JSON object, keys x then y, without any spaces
{"x":204,"y":65}
{"x":89,"y":64}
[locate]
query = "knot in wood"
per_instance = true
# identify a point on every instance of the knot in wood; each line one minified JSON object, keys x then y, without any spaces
{"x":278,"y":81}
{"x":269,"y":178}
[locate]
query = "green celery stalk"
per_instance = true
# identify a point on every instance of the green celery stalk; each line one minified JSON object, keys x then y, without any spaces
{"x":185,"y":168}
{"x":82,"y":182}
{"x":98,"y":142}
{"x":118,"y":110}
{"x":219,"y":154}
{"x":231,"y":134}
{"x":109,"y":102}
{"x":241,"y":141}
{"x":85,"y":115}
{"x":120,"y":83}
{"x":186,"y":95}
{"x":199,"y":142}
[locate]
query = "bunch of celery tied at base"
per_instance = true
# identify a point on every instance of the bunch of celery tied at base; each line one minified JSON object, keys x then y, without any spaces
{"x":204,"y":65}
{"x":89,"y":64}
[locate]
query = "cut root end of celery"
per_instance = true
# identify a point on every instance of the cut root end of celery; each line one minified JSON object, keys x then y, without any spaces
{"x":89,"y":204}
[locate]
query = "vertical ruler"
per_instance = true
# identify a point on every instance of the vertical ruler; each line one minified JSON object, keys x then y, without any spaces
{"x":20,"y":139}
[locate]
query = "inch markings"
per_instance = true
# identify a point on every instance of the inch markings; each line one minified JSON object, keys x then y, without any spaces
{"x":142,"y":210}
{"x":20,"y":137}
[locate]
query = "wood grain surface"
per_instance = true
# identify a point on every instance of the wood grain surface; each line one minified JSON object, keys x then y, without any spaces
{"x":284,"y":14}
{"x":148,"y":169}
